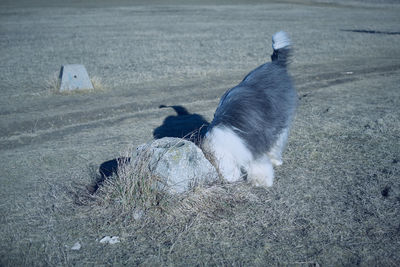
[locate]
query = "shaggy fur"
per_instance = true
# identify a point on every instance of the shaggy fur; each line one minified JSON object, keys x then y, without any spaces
{"x":252,"y":122}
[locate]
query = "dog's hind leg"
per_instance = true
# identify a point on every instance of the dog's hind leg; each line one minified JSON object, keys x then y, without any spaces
{"x":260,"y":172}
{"x":229,"y":152}
{"x":229,"y":169}
{"x":275,"y":153}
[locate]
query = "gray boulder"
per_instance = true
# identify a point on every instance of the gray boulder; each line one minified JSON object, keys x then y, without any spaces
{"x":178,"y":165}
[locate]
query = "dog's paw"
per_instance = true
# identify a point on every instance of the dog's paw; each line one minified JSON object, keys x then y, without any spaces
{"x":261,"y":172}
{"x":276,"y":162}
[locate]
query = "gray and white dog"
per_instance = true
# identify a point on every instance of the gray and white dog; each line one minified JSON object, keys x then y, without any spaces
{"x":251,"y":124}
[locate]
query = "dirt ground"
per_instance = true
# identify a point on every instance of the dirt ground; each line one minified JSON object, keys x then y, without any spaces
{"x":336,"y":199}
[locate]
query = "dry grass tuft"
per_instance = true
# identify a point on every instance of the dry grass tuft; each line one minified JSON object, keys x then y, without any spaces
{"x":52,"y":84}
{"x":132,"y":187}
{"x":98,"y":83}
{"x":212,"y":201}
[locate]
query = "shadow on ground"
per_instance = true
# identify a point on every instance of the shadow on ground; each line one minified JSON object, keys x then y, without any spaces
{"x":106,"y":170}
{"x":185,"y":125}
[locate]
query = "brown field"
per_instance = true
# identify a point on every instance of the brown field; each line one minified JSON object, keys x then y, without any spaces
{"x":336,"y":199}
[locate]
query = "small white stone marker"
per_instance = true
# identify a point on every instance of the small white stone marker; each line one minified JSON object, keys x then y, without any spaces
{"x":74,"y":77}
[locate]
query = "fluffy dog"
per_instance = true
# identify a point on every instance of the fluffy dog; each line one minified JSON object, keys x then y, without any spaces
{"x":251,"y":124}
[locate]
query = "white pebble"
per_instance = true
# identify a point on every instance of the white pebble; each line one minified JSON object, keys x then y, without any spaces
{"x":138,"y":214}
{"x":76,"y":246}
{"x":110,"y":240}
{"x":114,"y":240}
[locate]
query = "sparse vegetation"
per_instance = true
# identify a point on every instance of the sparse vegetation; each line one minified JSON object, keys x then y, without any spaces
{"x":132,"y":187}
{"x":336,"y":198}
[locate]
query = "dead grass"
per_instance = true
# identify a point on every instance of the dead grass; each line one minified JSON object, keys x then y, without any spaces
{"x":132,"y":187}
{"x":135,"y":187}
{"x":335,"y":202}
{"x":336,"y":199}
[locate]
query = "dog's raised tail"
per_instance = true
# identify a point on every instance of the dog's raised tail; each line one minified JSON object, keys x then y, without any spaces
{"x":282,"y":48}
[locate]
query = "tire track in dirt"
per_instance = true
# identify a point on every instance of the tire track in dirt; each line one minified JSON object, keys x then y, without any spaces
{"x":21,"y":134}
{"x":132,"y":105}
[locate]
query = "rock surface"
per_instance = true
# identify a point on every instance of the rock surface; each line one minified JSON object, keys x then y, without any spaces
{"x":178,"y":164}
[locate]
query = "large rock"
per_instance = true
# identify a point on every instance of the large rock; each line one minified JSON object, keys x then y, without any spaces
{"x":178,"y":164}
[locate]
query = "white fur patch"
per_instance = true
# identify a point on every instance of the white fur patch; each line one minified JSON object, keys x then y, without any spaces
{"x":229,"y":151}
{"x":231,"y":154}
{"x":280,"y":40}
{"x":260,"y":172}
